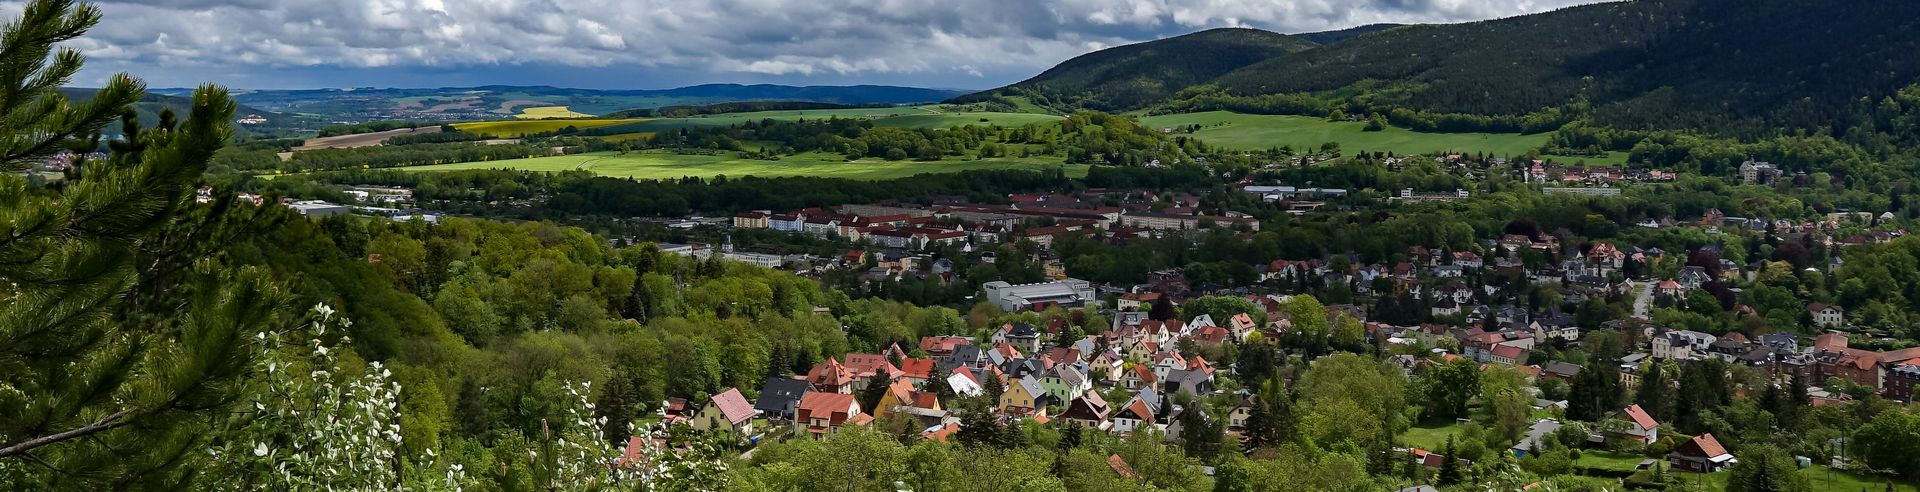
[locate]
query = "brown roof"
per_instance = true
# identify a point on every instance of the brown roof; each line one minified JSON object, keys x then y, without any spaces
{"x":734,"y":406}
{"x":1120,"y":466}
{"x":1708,"y":446}
{"x":1138,"y":408}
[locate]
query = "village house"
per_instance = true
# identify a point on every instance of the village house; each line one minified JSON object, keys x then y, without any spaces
{"x":1087,"y":411}
{"x":1023,"y":397}
{"x":902,"y":396}
{"x":1639,"y":426}
{"x":779,"y":396}
{"x":1020,"y":335}
{"x":820,"y":414}
{"x":1681,"y":344}
{"x":1137,"y":414}
{"x":1702,"y":454}
{"x":727,"y":410}
{"x":1063,"y":382}
{"x":831,"y":377}
{"x":1827,"y":315}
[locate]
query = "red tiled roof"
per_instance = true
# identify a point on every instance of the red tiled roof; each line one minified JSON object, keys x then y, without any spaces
{"x":838,"y":408}
{"x":942,"y":344}
{"x":917,"y":368}
{"x":829,"y":374}
{"x":1509,"y":351}
{"x":1640,"y":417}
{"x":941,"y":433}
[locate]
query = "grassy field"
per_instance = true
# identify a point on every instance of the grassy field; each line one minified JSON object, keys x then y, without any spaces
{"x":899,"y":117}
{"x":1609,"y":460}
{"x":665,"y":165}
{"x":1432,"y":435}
{"x":516,"y":128}
{"x":1257,"y":132}
{"x":549,"y":112}
{"x":1820,"y":477}
{"x":948,"y":120}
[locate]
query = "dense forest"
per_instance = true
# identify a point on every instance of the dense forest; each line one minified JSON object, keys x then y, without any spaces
{"x":1122,"y":78}
{"x":1799,"y":65}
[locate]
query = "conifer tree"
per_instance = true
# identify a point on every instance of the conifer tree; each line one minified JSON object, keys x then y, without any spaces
{"x":122,"y":328}
{"x":1449,"y":464}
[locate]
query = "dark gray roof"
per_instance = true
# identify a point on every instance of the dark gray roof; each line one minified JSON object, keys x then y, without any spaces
{"x":779,"y":396}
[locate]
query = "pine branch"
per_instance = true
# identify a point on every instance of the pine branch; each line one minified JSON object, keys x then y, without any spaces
{"x":110,"y":422}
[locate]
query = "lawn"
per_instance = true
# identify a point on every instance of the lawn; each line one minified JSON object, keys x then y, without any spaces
{"x":899,"y":117}
{"x":1609,"y":460}
{"x":1432,"y":435}
{"x":549,"y":112}
{"x":516,"y":128}
{"x":1257,"y":132}
{"x":1819,"y":476}
{"x":666,"y":165}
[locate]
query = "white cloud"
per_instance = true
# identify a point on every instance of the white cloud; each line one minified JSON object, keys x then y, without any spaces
{"x":838,"y":39}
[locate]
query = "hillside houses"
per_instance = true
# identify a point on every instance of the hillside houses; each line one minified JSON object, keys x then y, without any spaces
{"x":1115,"y":215}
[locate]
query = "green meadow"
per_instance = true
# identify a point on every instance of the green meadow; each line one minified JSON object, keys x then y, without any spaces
{"x":1258,"y":132}
{"x":517,"y":128}
{"x":899,"y":117}
{"x":667,"y":165}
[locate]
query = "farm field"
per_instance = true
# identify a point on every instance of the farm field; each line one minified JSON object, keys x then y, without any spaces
{"x":899,"y":117}
{"x":518,"y":128}
{"x":666,"y":165}
{"x":1258,"y":132}
{"x":549,"y":112}
{"x":361,"y":139}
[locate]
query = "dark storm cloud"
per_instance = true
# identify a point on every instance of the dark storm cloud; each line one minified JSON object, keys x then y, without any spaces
{"x":647,"y":43}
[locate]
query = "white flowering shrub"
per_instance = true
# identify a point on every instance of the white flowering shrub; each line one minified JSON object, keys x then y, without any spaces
{"x":311,"y":428}
{"x":576,"y":453}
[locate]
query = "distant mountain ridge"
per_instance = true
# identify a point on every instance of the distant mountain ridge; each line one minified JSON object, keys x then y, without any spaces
{"x":504,"y":101}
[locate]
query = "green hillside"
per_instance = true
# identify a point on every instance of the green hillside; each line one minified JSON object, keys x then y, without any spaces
{"x":1737,"y":66}
{"x":1129,"y":76}
{"x":660,"y":164}
{"x":1259,"y":132}
{"x":1733,"y":67}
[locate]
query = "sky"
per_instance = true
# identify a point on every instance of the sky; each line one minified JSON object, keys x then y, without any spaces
{"x":649,"y":44}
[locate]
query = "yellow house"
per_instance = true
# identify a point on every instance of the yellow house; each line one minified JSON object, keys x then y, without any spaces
{"x":726,"y":411}
{"x":901,"y":396}
{"x":1022,"y":397}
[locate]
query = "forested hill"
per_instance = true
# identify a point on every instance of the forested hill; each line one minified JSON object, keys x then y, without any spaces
{"x":1129,"y":76}
{"x":1735,"y":66}
{"x":148,"y":112}
{"x":1325,"y":37}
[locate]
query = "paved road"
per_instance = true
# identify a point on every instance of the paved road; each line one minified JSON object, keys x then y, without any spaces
{"x":1643,"y":300}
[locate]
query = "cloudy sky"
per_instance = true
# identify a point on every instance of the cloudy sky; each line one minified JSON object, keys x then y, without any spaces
{"x":967,"y":44}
